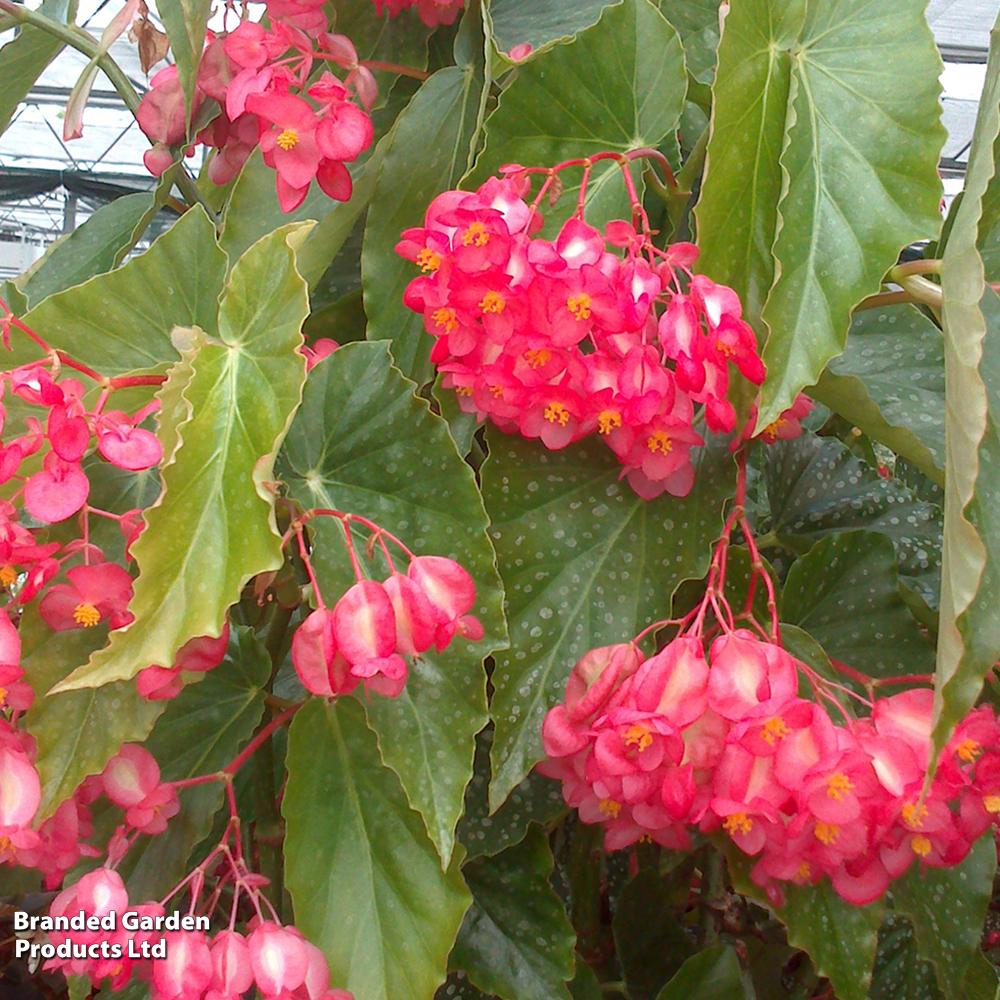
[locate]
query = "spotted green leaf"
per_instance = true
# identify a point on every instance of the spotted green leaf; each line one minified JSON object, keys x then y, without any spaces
{"x":362,"y":442}
{"x":516,"y":940}
{"x":845,"y":593}
{"x":213,"y":526}
{"x":585,"y":562}
{"x":890,"y":382}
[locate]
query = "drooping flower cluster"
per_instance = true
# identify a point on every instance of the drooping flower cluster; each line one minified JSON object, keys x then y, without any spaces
{"x":658,"y":748}
{"x":185,"y":964}
{"x":431,"y":12}
{"x":261,"y":79}
{"x":131,"y":781}
{"x":557,"y":340}
{"x":373,"y":626}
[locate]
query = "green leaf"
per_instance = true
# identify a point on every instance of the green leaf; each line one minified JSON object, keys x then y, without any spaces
{"x":23,"y":59}
{"x":697,"y":21}
{"x":78,"y":732}
{"x":201,"y":731}
{"x":362,"y":442}
{"x":585,"y":562}
{"x":815,"y":101}
{"x":816,"y":487}
{"x":970,"y":591}
{"x":516,"y":940}
{"x":652,"y":945}
{"x":431,"y":147}
{"x":839,"y":937}
{"x":253,"y":211}
{"x":620,"y":85}
{"x":95,"y":247}
{"x":541,"y":22}
{"x":121,"y":322}
{"x":900,"y":973}
{"x":185,"y":22}
{"x":536,"y":800}
{"x":709,"y":975}
{"x":948,"y":908}
{"x":890,"y":382}
{"x":845,"y":593}
{"x":365,"y":880}
{"x":213,"y":526}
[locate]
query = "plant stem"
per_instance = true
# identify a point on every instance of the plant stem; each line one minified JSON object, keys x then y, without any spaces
{"x":84,"y":42}
{"x":388,"y":67}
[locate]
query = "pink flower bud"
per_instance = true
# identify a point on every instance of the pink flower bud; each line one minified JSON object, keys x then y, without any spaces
{"x":20,"y":789}
{"x":231,"y":971}
{"x":278,"y":957}
{"x":415,"y":618}
{"x":341,"y":48}
{"x":447,"y":586}
{"x":364,"y":623}
{"x":130,"y":776}
{"x":187,"y":969}
{"x":158,"y":159}
{"x":321,"y":667}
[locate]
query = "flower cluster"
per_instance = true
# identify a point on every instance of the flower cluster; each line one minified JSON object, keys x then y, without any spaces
{"x":373,"y":626}
{"x":431,"y":12}
{"x":557,"y":340}
{"x":260,"y":79}
{"x":658,"y":748}
{"x":197,"y":965}
{"x":131,"y":781}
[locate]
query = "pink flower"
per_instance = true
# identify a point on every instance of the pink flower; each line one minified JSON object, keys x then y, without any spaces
{"x":320,"y":665}
{"x":125,"y":445}
{"x":450,"y":593}
{"x":288,"y":143}
{"x":130,"y":776}
{"x":187,"y":969}
{"x":278,"y":957}
{"x":58,"y":491}
{"x":93,"y":594}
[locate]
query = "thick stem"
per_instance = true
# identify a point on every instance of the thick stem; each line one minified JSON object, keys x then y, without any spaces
{"x":388,"y":67}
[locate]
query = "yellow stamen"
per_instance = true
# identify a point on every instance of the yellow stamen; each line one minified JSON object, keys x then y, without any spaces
{"x":738,"y":823}
{"x":921,"y":845}
{"x":610,"y":808}
{"x":771,"y":431}
{"x":645,"y":839}
{"x":607,"y":421}
{"x":463,"y":390}
{"x":638,"y":736}
{"x":827,"y":833}
{"x":912,"y":816}
{"x":4,"y":845}
{"x":86,"y":615}
{"x":537,"y":358}
{"x":446,"y":318}
{"x":497,"y":391}
{"x":288,"y":139}
{"x":991,"y":803}
{"x":774,"y":729}
{"x":492,"y":302}
{"x":8,"y":576}
{"x":727,"y":349}
{"x":476,"y":233}
{"x":804,"y":872}
{"x":3,"y":695}
{"x":556,"y":413}
{"x":968,"y":750}
{"x":659,"y":441}
{"x":428,"y":260}
{"x":838,"y":786}
{"x":579,"y":306}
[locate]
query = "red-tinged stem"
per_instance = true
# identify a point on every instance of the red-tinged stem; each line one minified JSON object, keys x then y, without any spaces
{"x":347,"y":518}
{"x":264,"y":734}
{"x":129,"y":381}
{"x":307,"y":562}
{"x":648,"y":153}
{"x":908,"y":679}
{"x":856,"y":675}
{"x":352,"y":555}
{"x":581,"y":201}
{"x":388,"y":67}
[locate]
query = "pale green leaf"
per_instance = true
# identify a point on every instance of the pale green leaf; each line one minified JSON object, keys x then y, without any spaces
{"x":970,"y":594}
{"x":365,"y":880}
{"x":213,"y":526}
{"x":816,"y":101}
